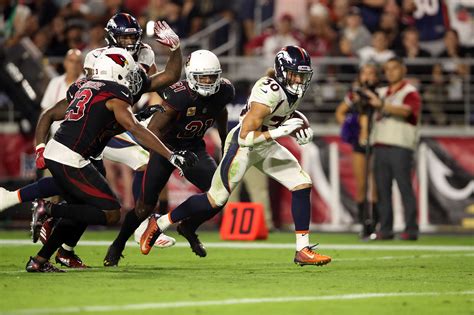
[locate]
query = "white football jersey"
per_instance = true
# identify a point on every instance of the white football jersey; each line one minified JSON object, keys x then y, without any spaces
{"x":146,"y":56}
{"x":267,"y":91}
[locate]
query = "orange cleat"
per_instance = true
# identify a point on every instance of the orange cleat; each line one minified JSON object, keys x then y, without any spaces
{"x":150,"y":235}
{"x":307,"y":256}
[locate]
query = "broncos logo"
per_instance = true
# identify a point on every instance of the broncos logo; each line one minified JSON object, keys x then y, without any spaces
{"x":284,"y":55}
{"x":118,"y":59}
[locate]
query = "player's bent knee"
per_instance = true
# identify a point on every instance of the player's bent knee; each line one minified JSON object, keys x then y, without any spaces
{"x":112,"y":216}
{"x":217,"y":201}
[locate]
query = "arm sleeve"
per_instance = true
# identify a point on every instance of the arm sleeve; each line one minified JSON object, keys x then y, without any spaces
{"x":413,"y":100}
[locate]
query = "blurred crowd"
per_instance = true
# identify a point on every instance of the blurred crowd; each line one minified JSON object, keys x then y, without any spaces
{"x":371,"y":30}
{"x":374,"y":30}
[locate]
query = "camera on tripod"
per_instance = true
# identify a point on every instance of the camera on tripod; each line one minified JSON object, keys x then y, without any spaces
{"x":362,"y":106}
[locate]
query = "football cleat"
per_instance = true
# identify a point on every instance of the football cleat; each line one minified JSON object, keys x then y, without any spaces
{"x":307,"y":256}
{"x":69,"y":259}
{"x":47,"y":229}
{"x":163,"y":241}
{"x":407,"y":236}
{"x":151,"y":234}
{"x":196,"y":246}
{"x":38,"y":217}
{"x":8,"y":199}
{"x":113,"y":256}
{"x":34,"y":266}
{"x":379,"y":236}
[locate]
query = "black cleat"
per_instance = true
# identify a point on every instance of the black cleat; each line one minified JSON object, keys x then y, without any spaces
{"x":38,"y":217}
{"x":196,"y":245}
{"x":34,"y":266}
{"x":113,"y":256}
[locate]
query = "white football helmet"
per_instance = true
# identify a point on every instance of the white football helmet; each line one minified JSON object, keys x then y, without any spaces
{"x":203,"y":63}
{"x":116,"y":64}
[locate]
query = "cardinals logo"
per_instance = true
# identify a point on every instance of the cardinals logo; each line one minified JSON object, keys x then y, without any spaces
{"x":118,"y":59}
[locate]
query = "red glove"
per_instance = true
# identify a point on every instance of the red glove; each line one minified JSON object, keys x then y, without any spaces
{"x":166,"y":36}
{"x":40,"y":164}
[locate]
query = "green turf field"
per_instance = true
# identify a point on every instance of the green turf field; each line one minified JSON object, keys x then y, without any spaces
{"x":431,"y":276}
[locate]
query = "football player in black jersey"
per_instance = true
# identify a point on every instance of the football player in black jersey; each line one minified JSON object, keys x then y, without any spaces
{"x":122,"y":31}
{"x":100,"y":109}
{"x":191,"y":107}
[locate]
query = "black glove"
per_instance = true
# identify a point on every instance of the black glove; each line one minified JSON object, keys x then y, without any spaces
{"x":183,"y":160}
{"x":148,"y":111}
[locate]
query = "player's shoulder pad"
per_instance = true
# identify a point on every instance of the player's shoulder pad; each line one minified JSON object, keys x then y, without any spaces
{"x":267,"y":91}
{"x":146,"y":55}
{"x":120,"y":91}
{"x":228,"y":89}
{"x":176,"y":96}
{"x":73,"y":88}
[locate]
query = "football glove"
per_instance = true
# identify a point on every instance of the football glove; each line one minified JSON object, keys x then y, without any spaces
{"x":286,"y":128}
{"x":39,"y":158}
{"x":149,"y":111}
{"x":304,"y":136}
{"x":166,"y":36}
{"x":183,"y":160}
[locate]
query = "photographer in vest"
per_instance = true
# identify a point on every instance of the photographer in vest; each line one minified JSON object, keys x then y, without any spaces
{"x":394,"y":137}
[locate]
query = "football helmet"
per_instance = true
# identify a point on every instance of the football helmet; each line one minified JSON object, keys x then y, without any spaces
{"x":116,"y":64}
{"x":293,"y":69}
{"x":203,"y":72}
{"x":120,"y":25}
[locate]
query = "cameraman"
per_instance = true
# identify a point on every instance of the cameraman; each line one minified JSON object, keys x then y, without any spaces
{"x":353,"y":116}
{"x":394,"y":138}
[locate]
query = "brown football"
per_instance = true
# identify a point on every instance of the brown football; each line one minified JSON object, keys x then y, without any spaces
{"x":306,"y":124}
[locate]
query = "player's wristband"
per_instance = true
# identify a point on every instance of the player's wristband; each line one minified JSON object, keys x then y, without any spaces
{"x":40,"y":146}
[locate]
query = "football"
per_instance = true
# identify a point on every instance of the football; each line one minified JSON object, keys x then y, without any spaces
{"x":306,"y":124}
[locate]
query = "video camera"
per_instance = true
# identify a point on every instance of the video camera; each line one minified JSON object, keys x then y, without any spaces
{"x":362,"y":106}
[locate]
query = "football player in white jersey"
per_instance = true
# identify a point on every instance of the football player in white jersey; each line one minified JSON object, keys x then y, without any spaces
{"x":267,"y":117}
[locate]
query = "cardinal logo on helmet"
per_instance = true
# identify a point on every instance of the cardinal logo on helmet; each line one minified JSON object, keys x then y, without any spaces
{"x":118,"y":59}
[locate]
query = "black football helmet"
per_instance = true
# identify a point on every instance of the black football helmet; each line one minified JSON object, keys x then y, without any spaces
{"x":293,"y":70}
{"x":122,"y":24}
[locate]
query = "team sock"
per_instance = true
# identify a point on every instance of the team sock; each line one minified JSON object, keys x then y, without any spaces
{"x":193,"y":205}
{"x":137,"y":184}
{"x":43,"y":188}
{"x":302,"y":240}
{"x":129,"y":225}
{"x":56,"y":239}
{"x":199,"y":218}
{"x":301,"y":211}
{"x":163,"y":207}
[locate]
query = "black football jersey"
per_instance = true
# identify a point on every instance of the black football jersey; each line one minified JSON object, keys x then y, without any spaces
{"x":196,"y":114}
{"x":88,"y":124}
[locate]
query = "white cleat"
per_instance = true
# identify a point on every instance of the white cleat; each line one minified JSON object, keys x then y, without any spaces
{"x":162,"y":241}
{"x":8,"y":199}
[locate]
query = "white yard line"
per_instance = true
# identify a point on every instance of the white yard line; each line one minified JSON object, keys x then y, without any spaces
{"x":182,"y":304}
{"x":262,"y":245}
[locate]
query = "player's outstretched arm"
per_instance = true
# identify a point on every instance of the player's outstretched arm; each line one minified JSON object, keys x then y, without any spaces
{"x":46,"y":119}
{"x":160,"y":120}
{"x":172,"y":72}
{"x":127,"y":120}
